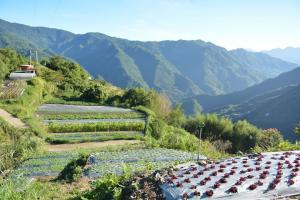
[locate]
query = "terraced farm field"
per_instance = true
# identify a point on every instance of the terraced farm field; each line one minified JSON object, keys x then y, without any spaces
{"x":103,"y":163}
{"x":257,"y":176}
{"x":49,"y":164}
{"x":12,"y":89}
{"x":61,"y":138}
{"x":78,"y":124}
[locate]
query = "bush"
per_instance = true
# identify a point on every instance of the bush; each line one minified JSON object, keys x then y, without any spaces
{"x":73,"y":170}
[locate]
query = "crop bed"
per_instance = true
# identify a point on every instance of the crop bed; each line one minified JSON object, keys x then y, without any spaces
{"x":91,"y":115}
{"x":253,"y":177}
{"x":103,"y":163}
{"x":61,"y":138}
{"x":97,"y":126}
{"x":62,"y":108}
{"x":50,"y":164}
{"x":12,"y":89}
{"x":75,"y":124}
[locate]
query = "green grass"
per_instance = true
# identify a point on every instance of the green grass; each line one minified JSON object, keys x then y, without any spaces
{"x":62,"y":138}
{"x":94,"y":127}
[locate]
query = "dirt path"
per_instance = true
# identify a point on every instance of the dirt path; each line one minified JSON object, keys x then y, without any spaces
{"x":17,"y":123}
{"x":69,"y":147}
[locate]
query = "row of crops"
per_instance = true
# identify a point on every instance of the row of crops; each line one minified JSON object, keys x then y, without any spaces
{"x":75,"y":124}
{"x":96,"y":127}
{"x":260,"y":176}
{"x":50,"y":164}
{"x":103,"y":163}
{"x":12,"y":89}
{"x":61,"y":138}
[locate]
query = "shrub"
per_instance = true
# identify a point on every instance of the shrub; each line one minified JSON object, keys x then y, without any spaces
{"x":74,"y":169}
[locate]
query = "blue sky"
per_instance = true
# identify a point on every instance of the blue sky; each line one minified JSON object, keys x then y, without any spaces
{"x":251,"y":24}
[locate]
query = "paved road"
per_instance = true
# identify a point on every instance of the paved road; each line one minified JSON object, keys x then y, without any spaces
{"x":17,"y":123}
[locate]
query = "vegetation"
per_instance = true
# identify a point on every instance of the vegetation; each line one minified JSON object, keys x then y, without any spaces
{"x":172,"y":66}
{"x":9,"y":61}
{"x":297,"y":129}
{"x":61,"y":116}
{"x":74,"y":169}
{"x":241,"y":136}
{"x":94,"y":127}
{"x":62,"y":80}
{"x":62,"y":138}
{"x":12,"y":89}
{"x":15,"y":146}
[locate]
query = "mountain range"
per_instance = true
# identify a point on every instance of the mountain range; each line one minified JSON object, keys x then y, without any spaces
{"x":179,"y":69}
{"x":274,"y":103}
{"x":290,"y":54}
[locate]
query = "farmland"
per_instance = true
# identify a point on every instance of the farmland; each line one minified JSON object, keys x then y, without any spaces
{"x":12,"y":89}
{"x":49,"y":164}
{"x":255,"y":176}
{"x":137,"y":160}
{"x":60,"y":138}
{"x":78,"y":124}
{"x":103,"y":162}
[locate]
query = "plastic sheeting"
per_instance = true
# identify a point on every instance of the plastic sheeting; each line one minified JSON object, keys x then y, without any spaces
{"x":261,"y":176}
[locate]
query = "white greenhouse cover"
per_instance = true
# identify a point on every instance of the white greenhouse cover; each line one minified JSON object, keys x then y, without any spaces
{"x":22,"y":75}
{"x":260,"y":176}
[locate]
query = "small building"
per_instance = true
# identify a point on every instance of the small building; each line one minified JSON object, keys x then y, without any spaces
{"x":26,"y":67}
{"x":22,"y":75}
{"x":26,"y":72}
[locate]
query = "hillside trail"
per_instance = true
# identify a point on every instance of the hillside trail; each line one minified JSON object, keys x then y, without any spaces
{"x":69,"y":147}
{"x":15,"y":122}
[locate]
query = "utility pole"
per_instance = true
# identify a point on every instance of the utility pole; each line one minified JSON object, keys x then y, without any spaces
{"x":200,"y":127}
{"x":36,"y":57}
{"x":30,"y":56}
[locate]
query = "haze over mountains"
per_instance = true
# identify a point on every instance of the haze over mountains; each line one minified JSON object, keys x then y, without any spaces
{"x":178,"y":68}
{"x":290,"y":54}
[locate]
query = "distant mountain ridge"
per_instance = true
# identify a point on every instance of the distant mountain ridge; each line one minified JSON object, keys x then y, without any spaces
{"x":212,"y":103}
{"x":274,"y":103}
{"x":290,"y":54}
{"x":276,"y":109}
{"x":178,"y":68}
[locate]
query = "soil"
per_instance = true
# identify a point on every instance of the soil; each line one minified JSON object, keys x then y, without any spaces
{"x":69,"y":147}
{"x":143,"y":186}
{"x":17,"y":123}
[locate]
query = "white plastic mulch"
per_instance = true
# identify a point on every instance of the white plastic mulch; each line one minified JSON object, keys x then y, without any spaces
{"x":261,"y":176}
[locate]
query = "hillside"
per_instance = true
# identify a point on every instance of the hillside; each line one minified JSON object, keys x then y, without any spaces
{"x":210,"y":103}
{"x":279,"y":109}
{"x":177,"y":68}
{"x":290,"y":54}
{"x":87,"y":139}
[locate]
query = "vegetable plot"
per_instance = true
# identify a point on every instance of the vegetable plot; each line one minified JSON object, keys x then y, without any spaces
{"x":62,"y":108}
{"x":61,"y":138}
{"x":50,"y":164}
{"x":97,"y":126}
{"x":104,"y":163}
{"x":256,"y":176}
{"x":12,"y":89}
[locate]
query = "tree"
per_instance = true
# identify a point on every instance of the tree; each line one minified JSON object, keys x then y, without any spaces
{"x":160,"y":104}
{"x":136,"y":97}
{"x":95,"y":92}
{"x":269,"y":138}
{"x":297,"y":129}
{"x":176,"y":117}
